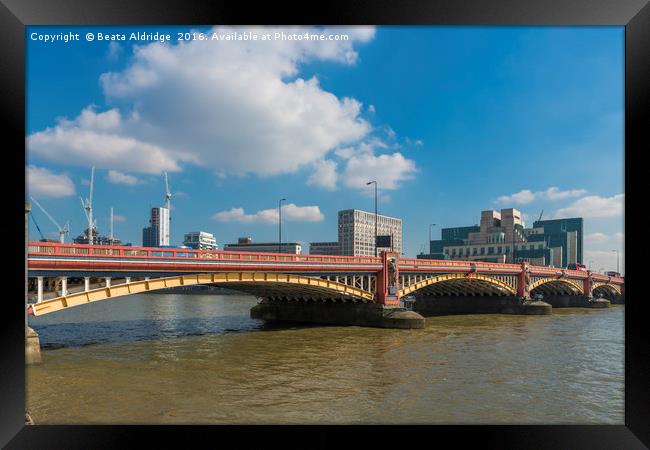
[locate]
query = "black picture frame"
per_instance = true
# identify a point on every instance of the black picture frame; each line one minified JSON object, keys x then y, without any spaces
{"x":16,"y":14}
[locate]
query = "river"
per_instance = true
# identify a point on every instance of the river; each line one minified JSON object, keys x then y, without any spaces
{"x":179,"y":359}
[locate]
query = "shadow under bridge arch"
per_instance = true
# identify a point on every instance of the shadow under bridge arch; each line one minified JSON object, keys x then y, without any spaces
{"x":460,"y":284}
{"x":260,"y":284}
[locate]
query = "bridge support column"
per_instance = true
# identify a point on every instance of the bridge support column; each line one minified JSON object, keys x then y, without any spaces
{"x":523,"y":281}
{"x":587,"y":286}
{"x":39,"y":289}
{"x":338,"y":313}
{"x":32,"y":343}
{"x":64,"y":286}
{"x":86,"y":284}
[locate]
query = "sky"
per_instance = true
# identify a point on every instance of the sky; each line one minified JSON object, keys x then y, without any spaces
{"x":450,"y":121}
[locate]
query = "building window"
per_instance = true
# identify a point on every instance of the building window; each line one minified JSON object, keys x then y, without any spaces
{"x":482,"y":250}
{"x":499,"y":250}
{"x":490,"y":250}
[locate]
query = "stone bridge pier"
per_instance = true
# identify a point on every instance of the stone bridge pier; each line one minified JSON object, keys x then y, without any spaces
{"x":384,"y":312}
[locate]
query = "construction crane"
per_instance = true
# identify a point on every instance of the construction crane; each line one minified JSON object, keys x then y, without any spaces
{"x":168,"y":194}
{"x":62,"y":231}
{"x":168,"y":198}
{"x":88,"y":208}
{"x":37,"y":227}
{"x":540,"y":215}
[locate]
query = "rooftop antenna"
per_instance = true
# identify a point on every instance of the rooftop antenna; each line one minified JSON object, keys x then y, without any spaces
{"x":540,"y":215}
{"x":88,"y":207}
{"x":62,"y":231}
{"x":110,"y":236}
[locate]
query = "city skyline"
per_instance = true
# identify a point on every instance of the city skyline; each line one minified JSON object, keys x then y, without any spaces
{"x":530,"y":118}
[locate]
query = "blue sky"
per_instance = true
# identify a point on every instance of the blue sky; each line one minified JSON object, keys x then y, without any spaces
{"x":449,"y":120}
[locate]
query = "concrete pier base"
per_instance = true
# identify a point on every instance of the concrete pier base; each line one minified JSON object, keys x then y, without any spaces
{"x":32,"y":347}
{"x":576,"y":301}
{"x":359,"y":314}
{"x":599,"y":303}
{"x":433,"y":305}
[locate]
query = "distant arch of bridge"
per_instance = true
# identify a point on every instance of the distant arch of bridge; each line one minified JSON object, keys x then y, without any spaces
{"x":555,"y":286}
{"x":461,"y":284}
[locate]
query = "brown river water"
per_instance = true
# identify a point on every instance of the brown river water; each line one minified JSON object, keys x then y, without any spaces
{"x":200,"y":359}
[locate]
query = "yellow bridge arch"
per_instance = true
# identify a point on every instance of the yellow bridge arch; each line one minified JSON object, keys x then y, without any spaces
{"x":252,"y":282}
{"x":458,"y":276}
{"x":575,"y":285}
{"x":612,"y":288}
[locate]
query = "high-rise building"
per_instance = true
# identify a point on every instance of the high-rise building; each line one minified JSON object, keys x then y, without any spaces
{"x":324,"y":248}
{"x":565,"y":234}
{"x":357,"y":232}
{"x":157,"y":234}
{"x":200,"y":240}
{"x":502,"y":237}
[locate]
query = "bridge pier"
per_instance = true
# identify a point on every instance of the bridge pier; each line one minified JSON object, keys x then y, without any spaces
{"x":338,"y":313}
{"x":64,"y":285}
{"x":39,"y":289}
{"x":468,"y":304}
{"x":576,"y":301}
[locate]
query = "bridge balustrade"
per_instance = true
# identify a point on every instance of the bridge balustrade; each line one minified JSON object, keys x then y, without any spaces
{"x":52,"y":248}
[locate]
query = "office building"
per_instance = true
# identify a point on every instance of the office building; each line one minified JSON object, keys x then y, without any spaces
{"x":200,"y":240}
{"x":157,"y":234}
{"x":324,"y":248}
{"x":502,"y":237}
{"x":357,"y":232}
{"x":247,"y":245}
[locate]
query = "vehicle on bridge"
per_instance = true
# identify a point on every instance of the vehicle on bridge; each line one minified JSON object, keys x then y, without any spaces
{"x":576,"y":266}
{"x":613,"y":274}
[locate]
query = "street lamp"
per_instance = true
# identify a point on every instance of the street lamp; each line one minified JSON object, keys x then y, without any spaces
{"x":617,"y":269}
{"x":280,"y":225}
{"x":367,"y":184}
{"x":430,"y":225}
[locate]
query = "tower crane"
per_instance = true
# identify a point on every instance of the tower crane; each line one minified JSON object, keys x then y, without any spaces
{"x":62,"y":230}
{"x":88,"y":208}
{"x":168,"y":198}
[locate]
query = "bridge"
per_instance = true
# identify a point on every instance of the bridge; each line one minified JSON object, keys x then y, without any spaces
{"x":359,"y":290}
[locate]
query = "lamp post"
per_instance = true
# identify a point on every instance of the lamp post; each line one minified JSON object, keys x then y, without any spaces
{"x":430,"y":225}
{"x":280,"y":224}
{"x":369,"y":183}
{"x":617,"y":268}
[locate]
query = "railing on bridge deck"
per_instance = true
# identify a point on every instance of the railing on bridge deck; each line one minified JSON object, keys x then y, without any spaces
{"x":160,"y":253}
{"x":59,"y":249}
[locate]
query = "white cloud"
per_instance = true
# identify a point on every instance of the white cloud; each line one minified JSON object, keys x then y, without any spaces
{"x":596,"y":238}
{"x":554,"y":193}
{"x":594,"y":206}
{"x":237,"y":105}
{"x":114,"y":50}
{"x":522,"y":197}
{"x":388,"y":170}
{"x":324,"y":176}
{"x":290,"y":212}
{"x":116,"y":177}
{"x":101,"y":139}
{"x":526,"y":196}
{"x":42,"y":182}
